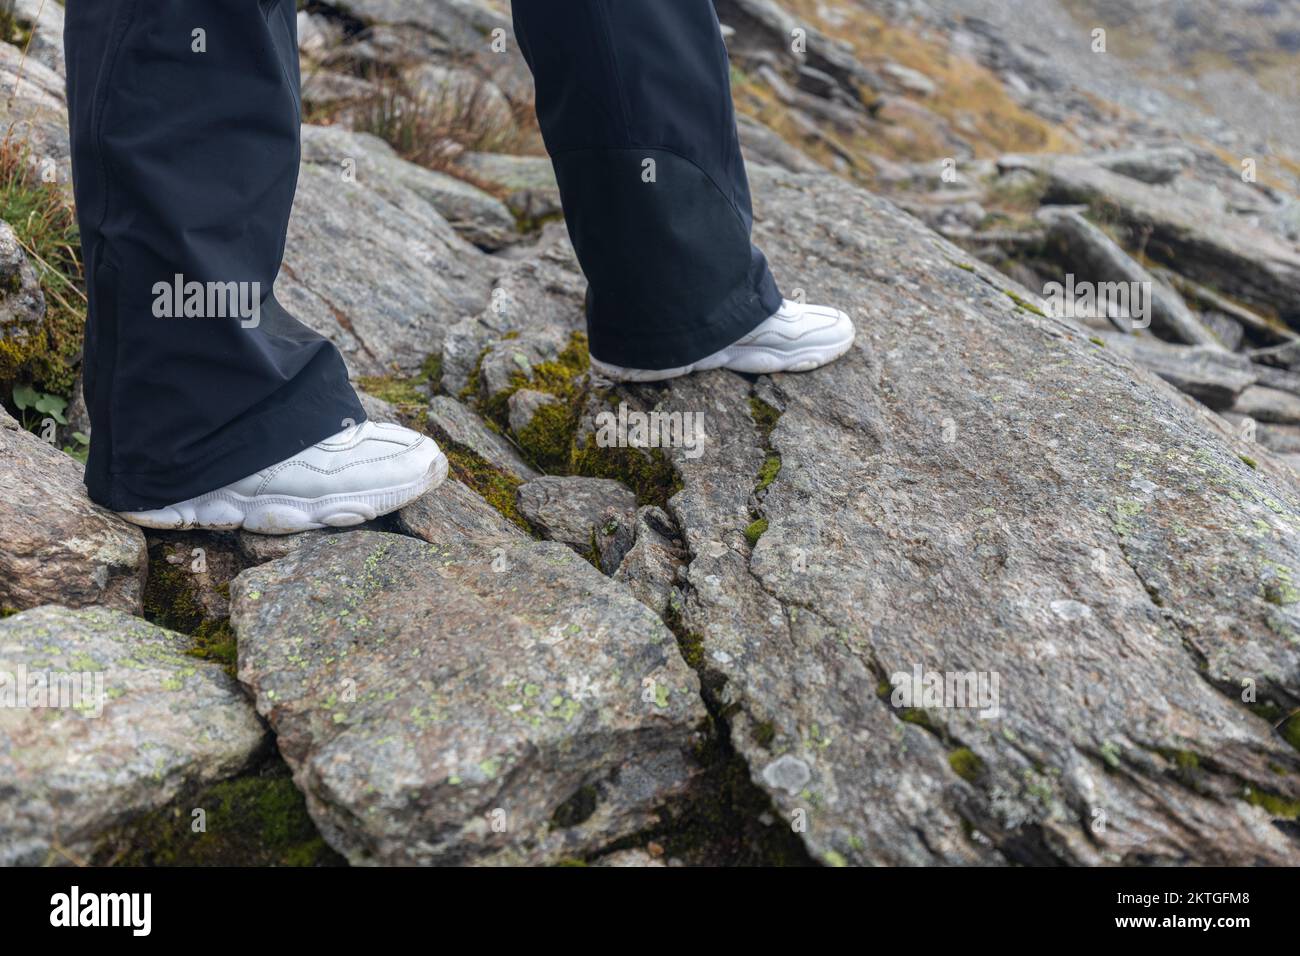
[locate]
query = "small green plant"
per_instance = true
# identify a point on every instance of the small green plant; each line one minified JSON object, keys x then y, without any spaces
{"x":36,"y":408}
{"x":80,"y":447}
{"x":40,"y":405}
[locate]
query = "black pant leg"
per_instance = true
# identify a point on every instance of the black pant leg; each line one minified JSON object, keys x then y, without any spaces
{"x":634,"y":102}
{"x":185,"y":163}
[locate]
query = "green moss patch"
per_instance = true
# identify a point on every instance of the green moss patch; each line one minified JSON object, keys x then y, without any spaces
{"x":765,"y":418}
{"x":549,"y":442}
{"x":259,"y":819}
{"x":408,"y":394}
{"x":647,"y":471}
{"x":171,"y":601}
{"x":1024,"y":304}
{"x":493,"y":485}
{"x":767,"y":474}
{"x":966,"y":764}
{"x":1273,"y":804}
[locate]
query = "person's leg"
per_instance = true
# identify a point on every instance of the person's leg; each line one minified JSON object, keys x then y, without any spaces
{"x":634,"y":103}
{"x":185,"y":148}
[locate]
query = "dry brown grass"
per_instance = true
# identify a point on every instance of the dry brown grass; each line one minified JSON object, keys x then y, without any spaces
{"x":970,"y":97}
{"x":432,"y":128}
{"x":44,"y":221}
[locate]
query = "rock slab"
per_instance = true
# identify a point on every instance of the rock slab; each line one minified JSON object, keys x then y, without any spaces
{"x":497,"y":702}
{"x":146,"y":723}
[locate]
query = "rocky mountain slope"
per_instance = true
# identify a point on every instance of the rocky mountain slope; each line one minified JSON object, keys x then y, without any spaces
{"x":707,"y":652}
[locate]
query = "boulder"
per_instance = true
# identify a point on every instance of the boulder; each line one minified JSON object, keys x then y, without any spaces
{"x":1155,"y":165}
{"x":453,"y":512}
{"x":354,"y":219}
{"x":477,"y":217}
{"x":1266,"y":404}
{"x":498,"y":702}
{"x":570,"y":509}
{"x":524,"y":404}
{"x":1099,"y":259}
{"x":138,"y":722}
{"x":1210,"y":247}
{"x":55,"y":545}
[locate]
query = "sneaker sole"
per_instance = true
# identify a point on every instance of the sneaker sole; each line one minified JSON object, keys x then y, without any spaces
{"x":754,"y":360}
{"x":284,"y":514}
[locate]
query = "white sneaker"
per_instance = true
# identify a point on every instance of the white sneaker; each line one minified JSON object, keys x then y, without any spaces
{"x":363,"y":472}
{"x":798,"y":338}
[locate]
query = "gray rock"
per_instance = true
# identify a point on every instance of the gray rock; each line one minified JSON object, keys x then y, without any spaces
{"x":356,"y":218}
{"x":530,"y":180}
{"x":45,"y":19}
{"x":257,"y":549}
{"x":77,"y":414}
{"x":1248,"y":263}
{"x":1287,"y":380}
{"x":1269,"y":405}
{"x":505,"y":361}
{"x":1212,"y":302}
{"x":143,"y":723}
{"x":34,"y":111}
{"x":340,"y":94}
{"x":1283,"y":439}
{"x":524,"y":405}
{"x":376,"y":409}
{"x":653,"y":566}
{"x":570,"y":509}
{"x":452,"y":513}
{"x":763,"y":145}
{"x":910,"y":80}
{"x":1227,"y":330}
{"x":468,"y":702}
{"x":22,"y":304}
{"x":629,"y":858}
{"x":966,"y":471}
{"x":1156,"y":166}
{"x":531,"y":315}
{"x":452,"y":422}
{"x":1210,"y":375}
{"x":316,"y":34}
{"x":462,"y":23}
{"x":478,"y":217}
{"x":450,"y":92}
{"x":1098,"y":259}
{"x":55,"y":546}
{"x":763,"y":30}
